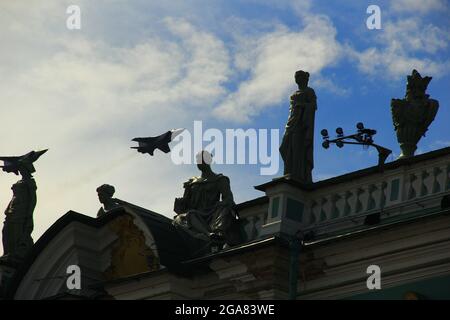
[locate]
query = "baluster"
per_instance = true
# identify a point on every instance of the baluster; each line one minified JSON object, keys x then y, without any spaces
{"x":335,"y":213}
{"x":372,"y":196}
{"x":314,"y":212}
{"x":447,"y":178}
{"x":425,"y":183}
{"x":411,"y":190}
{"x":347,"y":206}
{"x":437,"y":173}
{"x":359,"y":205}
{"x":323,"y":213}
{"x":383,"y":194}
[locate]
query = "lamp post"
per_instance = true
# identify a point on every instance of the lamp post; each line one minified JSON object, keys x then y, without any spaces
{"x":362,"y":137}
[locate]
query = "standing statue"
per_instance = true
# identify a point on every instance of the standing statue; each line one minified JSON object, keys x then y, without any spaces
{"x":18,"y":224}
{"x":105,"y":195}
{"x":297,"y":146}
{"x":413,"y":114}
{"x":206,"y":212}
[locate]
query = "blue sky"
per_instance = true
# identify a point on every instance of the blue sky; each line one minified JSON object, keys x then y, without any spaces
{"x":138,"y":68}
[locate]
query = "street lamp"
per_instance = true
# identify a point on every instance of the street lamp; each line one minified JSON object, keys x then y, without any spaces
{"x":363,"y":137}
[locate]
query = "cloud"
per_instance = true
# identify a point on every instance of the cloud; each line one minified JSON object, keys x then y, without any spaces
{"x":412,"y":35}
{"x":403,"y":45}
{"x":271,"y":60}
{"x":85,"y":99}
{"x":137,"y":68}
{"x":331,"y":85}
{"x":375,"y":61}
{"x":418,"y":6}
{"x":300,"y":7}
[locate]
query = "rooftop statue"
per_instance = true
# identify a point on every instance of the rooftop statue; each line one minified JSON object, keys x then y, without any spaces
{"x":297,"y":146}
{"x":206,"y":213}
{"x":18,"y":224}
{"x":105,"y":196}
{"x":413,"y":114}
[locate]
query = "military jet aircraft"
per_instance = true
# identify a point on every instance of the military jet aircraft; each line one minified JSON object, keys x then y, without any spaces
{"x":15,"y":164}
{"x":161,"y":142}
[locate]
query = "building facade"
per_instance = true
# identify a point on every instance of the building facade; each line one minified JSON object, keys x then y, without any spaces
{"x":300,"y":242}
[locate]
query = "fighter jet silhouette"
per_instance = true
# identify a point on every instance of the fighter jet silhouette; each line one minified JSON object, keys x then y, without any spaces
{"x":161,"y":142}
{"x":14,"y":164}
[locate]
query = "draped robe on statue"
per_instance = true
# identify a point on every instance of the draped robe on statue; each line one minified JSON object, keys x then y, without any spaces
{"x":207,"y":207}
{"x":297,"y":146}
{"x":18,"y":224}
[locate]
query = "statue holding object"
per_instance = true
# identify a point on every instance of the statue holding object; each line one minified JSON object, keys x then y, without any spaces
{"x":18,"y":224}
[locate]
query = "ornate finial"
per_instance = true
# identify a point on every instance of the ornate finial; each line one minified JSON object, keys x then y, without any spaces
{"x":412,"y":116}
{"x":416,"y":86}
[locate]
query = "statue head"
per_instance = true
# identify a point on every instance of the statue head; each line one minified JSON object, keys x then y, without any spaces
{"x":416,"y":86}
{"x":203,"y":160}
{"x":302,"y":78}
{"x":105,"y":193}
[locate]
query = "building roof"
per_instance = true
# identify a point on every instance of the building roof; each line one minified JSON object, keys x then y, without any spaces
{"x":355,"y":174}
{"x":171,"y":248}
{"x":173,"y":251}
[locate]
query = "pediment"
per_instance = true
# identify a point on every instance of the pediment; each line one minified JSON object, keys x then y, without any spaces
{"x":123,"y":243}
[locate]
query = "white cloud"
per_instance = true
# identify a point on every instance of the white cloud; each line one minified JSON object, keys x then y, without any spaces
{"x":272,"y":59}
{"x":411,"y":35}
{"x":85,"y":99}
{"x":402,"y":46}
{"x":375,"y":61}
{"x":133,"y":71}
{"x":300,"y":7}
{"x":330,"y":84}
{"x":418,"y":6}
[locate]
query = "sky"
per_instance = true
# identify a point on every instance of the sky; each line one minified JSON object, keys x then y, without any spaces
{"x":142,"y":67}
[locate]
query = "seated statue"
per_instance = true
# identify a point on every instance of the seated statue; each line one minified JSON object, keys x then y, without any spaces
{"x":105,"y":196}
{"x":206,"y":212}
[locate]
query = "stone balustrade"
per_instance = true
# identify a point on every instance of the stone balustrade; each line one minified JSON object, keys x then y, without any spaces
{"x":404,"y":188}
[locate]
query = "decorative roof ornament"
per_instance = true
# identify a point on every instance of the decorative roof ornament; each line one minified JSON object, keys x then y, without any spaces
{"x":413,"y":115}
